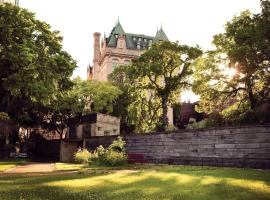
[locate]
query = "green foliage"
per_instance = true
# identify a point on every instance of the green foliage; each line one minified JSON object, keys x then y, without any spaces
{"x":153,"y":82}
{"x":118,"y":145}
{"x":115,"y":158}
{"x":33,"y":65}
{"x":82,"y":156}
{"x":83,"y":98}
{"x":95,"y":96}
{"x":136,"y":106}
{"x":4,"y":116}
{"x":165,"y":68}
{"x":205,"y":123}
{"x":114,"y":155}
{"x":244,"y":48}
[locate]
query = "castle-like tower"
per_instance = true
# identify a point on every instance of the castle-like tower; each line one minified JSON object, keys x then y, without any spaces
{"x":119,"y":48}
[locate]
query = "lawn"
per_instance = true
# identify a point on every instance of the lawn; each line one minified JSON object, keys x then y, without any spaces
{"x":140,"y":182}
{"x":7,"y":164}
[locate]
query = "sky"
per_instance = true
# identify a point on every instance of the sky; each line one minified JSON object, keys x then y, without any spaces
{"x":190,"y":22}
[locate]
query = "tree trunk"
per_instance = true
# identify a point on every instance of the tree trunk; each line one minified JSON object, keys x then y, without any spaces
{"x":164,"y":124}
{"x":251,"y":97}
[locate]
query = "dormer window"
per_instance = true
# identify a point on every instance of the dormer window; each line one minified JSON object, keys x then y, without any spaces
{"x":140,"y":39}
{"x":145,"y":40}
{"x":150,"y":41}
{"x":138,"y":46}
{"x":134,"y":39}
{"x":116,"y":35}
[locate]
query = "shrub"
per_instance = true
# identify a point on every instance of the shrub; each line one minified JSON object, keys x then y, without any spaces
{"x":118,"y":145}
{"x":208,"y":122}
{"x":82,"y":156}
{"x":113,"y":155}
{"x":114,"y":158}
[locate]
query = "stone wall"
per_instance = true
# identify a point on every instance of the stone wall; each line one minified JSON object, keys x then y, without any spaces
{"x":67,"y":150}
{"x":232,"y":147}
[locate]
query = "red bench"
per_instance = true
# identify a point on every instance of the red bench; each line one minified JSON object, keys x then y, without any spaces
{"x":136,"y":158}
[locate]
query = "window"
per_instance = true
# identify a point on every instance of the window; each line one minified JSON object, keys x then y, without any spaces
{"x":140,"y":39}
{"x":145,"y":40}
{"x":138,"y":46}
{"x":116,"y":35}
{"x":134,"y":39}
{"x":114,"y":130}
{"x":106,"y":133}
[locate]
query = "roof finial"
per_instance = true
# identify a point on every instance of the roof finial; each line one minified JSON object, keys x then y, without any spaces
{"x":160,"y":26}
{"x":118,"y":20}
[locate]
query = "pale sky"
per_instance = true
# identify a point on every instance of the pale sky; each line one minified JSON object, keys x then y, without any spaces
{"x":187,"y":21}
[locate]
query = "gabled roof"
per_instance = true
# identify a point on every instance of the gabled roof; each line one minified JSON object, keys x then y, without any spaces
{"x":117,"y":30}
{"x":133,"y":40}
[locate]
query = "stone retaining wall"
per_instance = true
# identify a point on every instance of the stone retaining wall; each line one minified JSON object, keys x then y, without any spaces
{"x":236,"y":147}
{"x":233,"y":147}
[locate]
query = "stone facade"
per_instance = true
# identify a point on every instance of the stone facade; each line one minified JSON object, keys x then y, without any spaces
{"x":119,"y":48}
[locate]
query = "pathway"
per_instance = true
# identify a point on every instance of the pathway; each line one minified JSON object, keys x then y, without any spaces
{"x":32,"y":168}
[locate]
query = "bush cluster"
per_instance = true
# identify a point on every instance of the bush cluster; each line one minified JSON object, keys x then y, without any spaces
{"x":114,"y":155}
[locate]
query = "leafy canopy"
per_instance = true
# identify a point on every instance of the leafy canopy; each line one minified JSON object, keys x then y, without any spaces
{"x":245,"y":48}
{"x":33,"y":65}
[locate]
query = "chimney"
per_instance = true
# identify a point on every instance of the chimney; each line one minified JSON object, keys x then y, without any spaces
{"x":96,"y":47}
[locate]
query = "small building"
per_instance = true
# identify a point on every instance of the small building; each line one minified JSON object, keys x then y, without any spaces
{"x":93,"y":125}
{"x":82,"y":129}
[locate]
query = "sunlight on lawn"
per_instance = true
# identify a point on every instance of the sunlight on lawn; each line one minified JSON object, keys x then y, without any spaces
{"x":4,"y":167}
{"x":69,"y":166}
{"x":252,"y":185}
{"x":158,"y":182}
{"x":147,"y":182}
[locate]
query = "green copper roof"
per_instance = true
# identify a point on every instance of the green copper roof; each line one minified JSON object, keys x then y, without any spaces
{"x":134,"y":41}
{"x":116,"y":31}
{"x":160,"y":35}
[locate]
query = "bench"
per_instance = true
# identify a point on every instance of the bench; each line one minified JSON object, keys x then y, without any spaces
{"x":136,"y":158}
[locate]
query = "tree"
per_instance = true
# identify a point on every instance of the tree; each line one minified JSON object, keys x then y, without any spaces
{"x":33,"y":66}
{"x":85,"y":97}
{"x":138,"y":109}
{"x":164,"y":70}
{"x":244,"y":48}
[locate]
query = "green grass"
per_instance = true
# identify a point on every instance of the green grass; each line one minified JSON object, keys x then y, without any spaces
{"x":7,"y":164}
{"x":69,"y":166}
{"x":146,"y":182}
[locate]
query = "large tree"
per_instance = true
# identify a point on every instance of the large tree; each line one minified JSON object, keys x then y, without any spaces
{"x":138,"y":109}
{"x":33,"y":65}
{"x":165,"y":70}
{"x":245,"y":48}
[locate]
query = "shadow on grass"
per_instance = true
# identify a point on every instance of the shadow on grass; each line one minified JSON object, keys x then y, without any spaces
{"x":160,"y":183}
